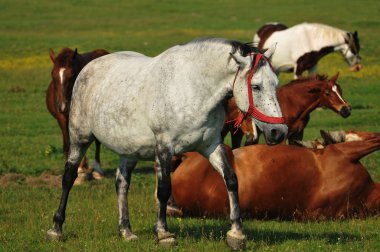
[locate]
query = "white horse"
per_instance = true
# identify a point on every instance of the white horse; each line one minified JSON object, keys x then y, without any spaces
{"x":154,"y":108}
{"x":299,"y":48}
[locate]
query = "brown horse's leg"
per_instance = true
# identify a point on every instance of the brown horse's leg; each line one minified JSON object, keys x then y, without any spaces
{"x":76,"y":154}
{"x":236,"y":138}
{"x":123,"y":180}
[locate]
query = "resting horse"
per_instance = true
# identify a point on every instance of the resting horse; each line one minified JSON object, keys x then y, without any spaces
{"x":67,"y":65}
{"x":131,"y":104}
{"x":299,"y":48}
{"x":297,"y":100}
{"x":296,"y":183}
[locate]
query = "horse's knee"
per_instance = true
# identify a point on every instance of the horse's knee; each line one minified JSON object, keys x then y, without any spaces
{"x":71,"y":173}
{"x":231,"y":181}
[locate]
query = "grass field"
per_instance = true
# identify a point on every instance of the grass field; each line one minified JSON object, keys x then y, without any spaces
{"x":30,"y":140}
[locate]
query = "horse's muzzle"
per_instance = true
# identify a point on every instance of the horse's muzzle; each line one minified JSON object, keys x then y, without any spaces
{"x":345,"y":111}
{"x":275,"y":133}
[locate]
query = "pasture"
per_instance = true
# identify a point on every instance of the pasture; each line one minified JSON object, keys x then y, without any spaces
{"x":31,"y":157}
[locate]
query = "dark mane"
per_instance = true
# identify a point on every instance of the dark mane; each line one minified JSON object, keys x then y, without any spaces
{"x":317,"y":77}
{"x":65,"y":56}
{"x":243,"y":48}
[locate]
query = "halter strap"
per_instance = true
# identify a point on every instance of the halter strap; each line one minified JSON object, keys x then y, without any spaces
{"x":252,"y":110}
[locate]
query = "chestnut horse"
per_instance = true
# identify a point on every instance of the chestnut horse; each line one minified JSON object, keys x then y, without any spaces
{"x":67,"y":65}
{"x":297,"y":183}
{"x":297,"y":100}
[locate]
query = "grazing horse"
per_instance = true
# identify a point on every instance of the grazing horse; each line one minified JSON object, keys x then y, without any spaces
{"x":131,"y":103}
{"x":296,"y":183}
{"x":297,"y":100}
{"x":299,"y":48}
{"x":67,"y":65}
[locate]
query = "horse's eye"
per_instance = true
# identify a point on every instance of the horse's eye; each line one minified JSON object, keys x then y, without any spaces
{"x":256,"y":87}
{"x":327,"y":93}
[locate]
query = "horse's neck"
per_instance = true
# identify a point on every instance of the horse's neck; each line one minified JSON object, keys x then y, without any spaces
{"x":302,"y":104}
{"x":210,"y":60}
{"x":324,"y":35}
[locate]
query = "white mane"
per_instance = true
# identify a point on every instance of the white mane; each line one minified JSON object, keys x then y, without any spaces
{"x":325,"y":32}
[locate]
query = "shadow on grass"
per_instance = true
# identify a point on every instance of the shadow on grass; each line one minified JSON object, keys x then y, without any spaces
{"x":215,"y":232}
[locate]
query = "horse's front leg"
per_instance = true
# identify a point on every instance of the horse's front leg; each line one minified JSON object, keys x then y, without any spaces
{"x":163,"y":163}
{"x":218,"y":158}
{"x":77,"y":152}
{"x":123,"y":181}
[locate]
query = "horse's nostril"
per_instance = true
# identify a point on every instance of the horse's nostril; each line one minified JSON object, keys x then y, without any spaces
{"x":345,"y":111}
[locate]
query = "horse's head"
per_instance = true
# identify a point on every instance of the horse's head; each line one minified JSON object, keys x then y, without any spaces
{"x":350,"y":50}
{"x":255,"y":94}
{"x":331,"y":97}
{"x":65,"y":70}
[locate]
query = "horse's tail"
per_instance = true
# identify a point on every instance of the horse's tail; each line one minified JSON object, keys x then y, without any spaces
{"x":265,"y":31}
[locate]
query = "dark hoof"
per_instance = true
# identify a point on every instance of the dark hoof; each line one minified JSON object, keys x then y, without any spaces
{"x":128,"y":235}
{"x":236,"y":240}
{"x":166,"y":239}
{"x":53,"y":235}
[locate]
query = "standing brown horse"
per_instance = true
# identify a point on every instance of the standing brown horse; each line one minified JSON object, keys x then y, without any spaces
{"x":67,"y":65}
{"x":297,"y":100}
{"x":297,"y":182}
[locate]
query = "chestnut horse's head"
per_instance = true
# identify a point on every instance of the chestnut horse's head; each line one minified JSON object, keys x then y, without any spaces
{"x":67,"y":65}
{"x":331,"y":96}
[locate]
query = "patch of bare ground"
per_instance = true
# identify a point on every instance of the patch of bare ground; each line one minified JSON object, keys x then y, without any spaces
{"x":44,"y":179}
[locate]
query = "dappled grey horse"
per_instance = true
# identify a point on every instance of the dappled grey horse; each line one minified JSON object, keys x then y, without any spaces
{"x":147,"y":108}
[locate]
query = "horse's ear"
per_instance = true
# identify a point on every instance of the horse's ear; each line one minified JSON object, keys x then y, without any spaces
{"x":334,"y":78}
{"x":355,"y":34}
{"x":51,"y":54}
{"x":240,"y":61}
{"x":270,"y":51}
{"x":75,"y":53}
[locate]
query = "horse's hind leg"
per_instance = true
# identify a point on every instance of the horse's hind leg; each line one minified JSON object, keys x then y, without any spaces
{"x":163,"y":166}
{"x":76,"y":154}
{"x":218,"y":158}
{"x":123,"y":180}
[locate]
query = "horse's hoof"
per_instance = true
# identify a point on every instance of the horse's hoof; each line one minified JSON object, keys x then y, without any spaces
{"x":236,"y":240}
{"x":97,"y":175}
{"x":174,"y":211}
{"x":166,"y":239}
{"x":53,"y":235}
{"x":128,"y":235}
{"x":81,"y":179}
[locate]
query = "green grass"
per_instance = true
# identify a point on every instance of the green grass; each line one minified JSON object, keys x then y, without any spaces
{"x":30,"y":140}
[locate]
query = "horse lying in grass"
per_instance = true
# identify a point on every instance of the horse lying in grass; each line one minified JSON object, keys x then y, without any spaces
{"x":297,"y":100}
{"x":295,"y":183}
{"x":131,"y":103}
{"x":299,"y":48}
{"x":67,"y":65}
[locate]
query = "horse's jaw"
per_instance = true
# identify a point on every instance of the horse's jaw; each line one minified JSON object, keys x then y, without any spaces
{"x":273,"y":133}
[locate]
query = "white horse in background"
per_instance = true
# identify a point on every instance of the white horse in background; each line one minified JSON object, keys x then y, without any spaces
{"x":152,"y":108}
{"x":300,"y":47}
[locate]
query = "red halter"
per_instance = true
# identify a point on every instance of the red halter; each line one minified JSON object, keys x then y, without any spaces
{"x":252,"y":110}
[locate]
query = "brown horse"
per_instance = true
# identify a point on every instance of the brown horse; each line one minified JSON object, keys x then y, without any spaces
{"x":297,"y":182}
{"x":297,"y":100}
{"x":67,"y":65}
